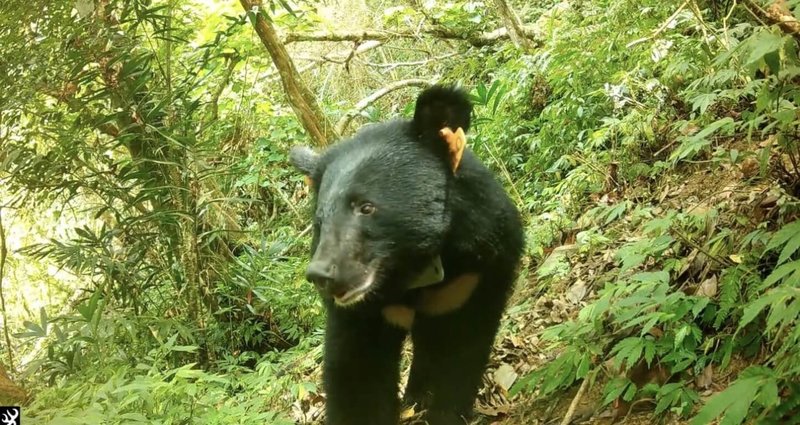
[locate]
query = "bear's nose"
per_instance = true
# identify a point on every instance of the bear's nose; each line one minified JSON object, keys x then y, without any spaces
{"x":321,"y":273}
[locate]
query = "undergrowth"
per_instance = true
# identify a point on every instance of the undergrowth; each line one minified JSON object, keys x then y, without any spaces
{"x":687,"y":289}
{"x":596,"y":134}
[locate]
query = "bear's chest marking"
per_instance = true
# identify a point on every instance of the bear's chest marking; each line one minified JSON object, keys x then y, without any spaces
{"x":399,"y":315}
{"x":433,"y":301}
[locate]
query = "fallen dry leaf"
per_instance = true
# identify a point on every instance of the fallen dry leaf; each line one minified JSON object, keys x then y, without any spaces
{"x":705,"y":378}
{"x":708,"y":288}
{"x":505,"y":376}
{"x":749,"y":167}
{"x":577,"y":291}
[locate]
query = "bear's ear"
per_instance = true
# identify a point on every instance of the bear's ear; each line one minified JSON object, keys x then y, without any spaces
{"x":445,"y":113}
{"x":439,"y":107}
{"x":304,"y":159}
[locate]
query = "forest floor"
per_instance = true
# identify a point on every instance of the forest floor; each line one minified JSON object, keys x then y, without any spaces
{"x":728,"y":188}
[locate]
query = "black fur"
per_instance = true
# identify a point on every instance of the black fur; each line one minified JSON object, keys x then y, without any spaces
{"x":421,"y":209}
{"x":439,"y":107}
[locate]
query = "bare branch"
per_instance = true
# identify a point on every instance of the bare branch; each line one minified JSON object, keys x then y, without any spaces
{"x":342,"y":124}
{"x":338,"y":57}
{"x":358,"y":35}
{"x":478,"y":39}
{"x":393,"y":65}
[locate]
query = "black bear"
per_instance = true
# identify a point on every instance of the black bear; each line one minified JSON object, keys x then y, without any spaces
{"x":411,"y":233}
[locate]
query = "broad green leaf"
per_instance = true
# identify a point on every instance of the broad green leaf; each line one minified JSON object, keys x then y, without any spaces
{"x":781,"y":273}
{"x":752,"y":309}
{"x":731,"y":402}
{"x":783,"y":235}
{"x":702,"y":101}
{"x":667,"y":396}
{"x":762,"y":44}
{"x":790,"y":248}
{"x":660,"y":276}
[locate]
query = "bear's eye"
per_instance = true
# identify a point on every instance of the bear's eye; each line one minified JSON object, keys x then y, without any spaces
{"x":366,"y":208}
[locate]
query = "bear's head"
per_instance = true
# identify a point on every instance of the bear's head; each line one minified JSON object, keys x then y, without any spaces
{"x":380,"y":199}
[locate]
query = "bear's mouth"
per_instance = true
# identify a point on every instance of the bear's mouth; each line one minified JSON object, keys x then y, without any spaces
{"x":357,"y":294}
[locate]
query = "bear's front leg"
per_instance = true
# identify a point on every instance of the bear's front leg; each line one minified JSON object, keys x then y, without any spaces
{"x":361,"y":368}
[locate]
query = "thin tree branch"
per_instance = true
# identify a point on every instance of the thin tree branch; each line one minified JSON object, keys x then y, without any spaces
{"x":343,"y":122}
{"x":337,"y":57}
{"x":477,"y":40}
{"x":393,"y":65}
{"x":660,"y":29}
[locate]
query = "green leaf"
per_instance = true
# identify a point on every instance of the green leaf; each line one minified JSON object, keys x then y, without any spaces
{"x":681,"y":334}
{"x":781,"y":273}
{"x":667,"y":396}
{"x":752,"y":309}
{"x":183,"y":348}
{"x":629,"y":351}
{"x":776,"y":315}
{"x":34,"y":328}
{"x":768,"y":395}
{"x":583,"y":366}
{"x":702,"y":101}
{"x":693,"y":144}
{"x":783,"y":235}
{"x":649,"y":351}
{"x":734,"y":402}
{"x":763,"y":44}
{"x":660,"y":276}
{"x":790,"y":248}
{"x":44,"y":321}
{"x":698,"y":306}
{"x":615,"y":388}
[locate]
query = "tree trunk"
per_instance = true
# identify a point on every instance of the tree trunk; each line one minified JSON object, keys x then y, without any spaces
{"x":514,"y":26}
{"x":300,"y":97}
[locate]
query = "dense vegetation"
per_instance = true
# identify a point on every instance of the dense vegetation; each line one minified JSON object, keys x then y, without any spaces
{"x":153,"y":236}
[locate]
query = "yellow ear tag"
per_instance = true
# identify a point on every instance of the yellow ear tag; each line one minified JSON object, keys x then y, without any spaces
{"x":309,"y":182}
{"x":456,"y":142}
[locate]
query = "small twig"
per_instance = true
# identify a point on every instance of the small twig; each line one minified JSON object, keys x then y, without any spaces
{"x":660,"y":29}
{"x":297,"y":238}
{"x":721,"y":261}
{"x":665,"y":147}
{"x":698,"y":14}
{"x":630,"y":408}
{"x":725,"y":24}
{"x":574,"y":405}
{"x":507,"y":175}
{"x":341,"y":126}
{"x":412,"y":63}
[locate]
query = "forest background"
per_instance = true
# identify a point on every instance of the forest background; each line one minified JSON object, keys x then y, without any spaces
{"x":153,"y":237}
